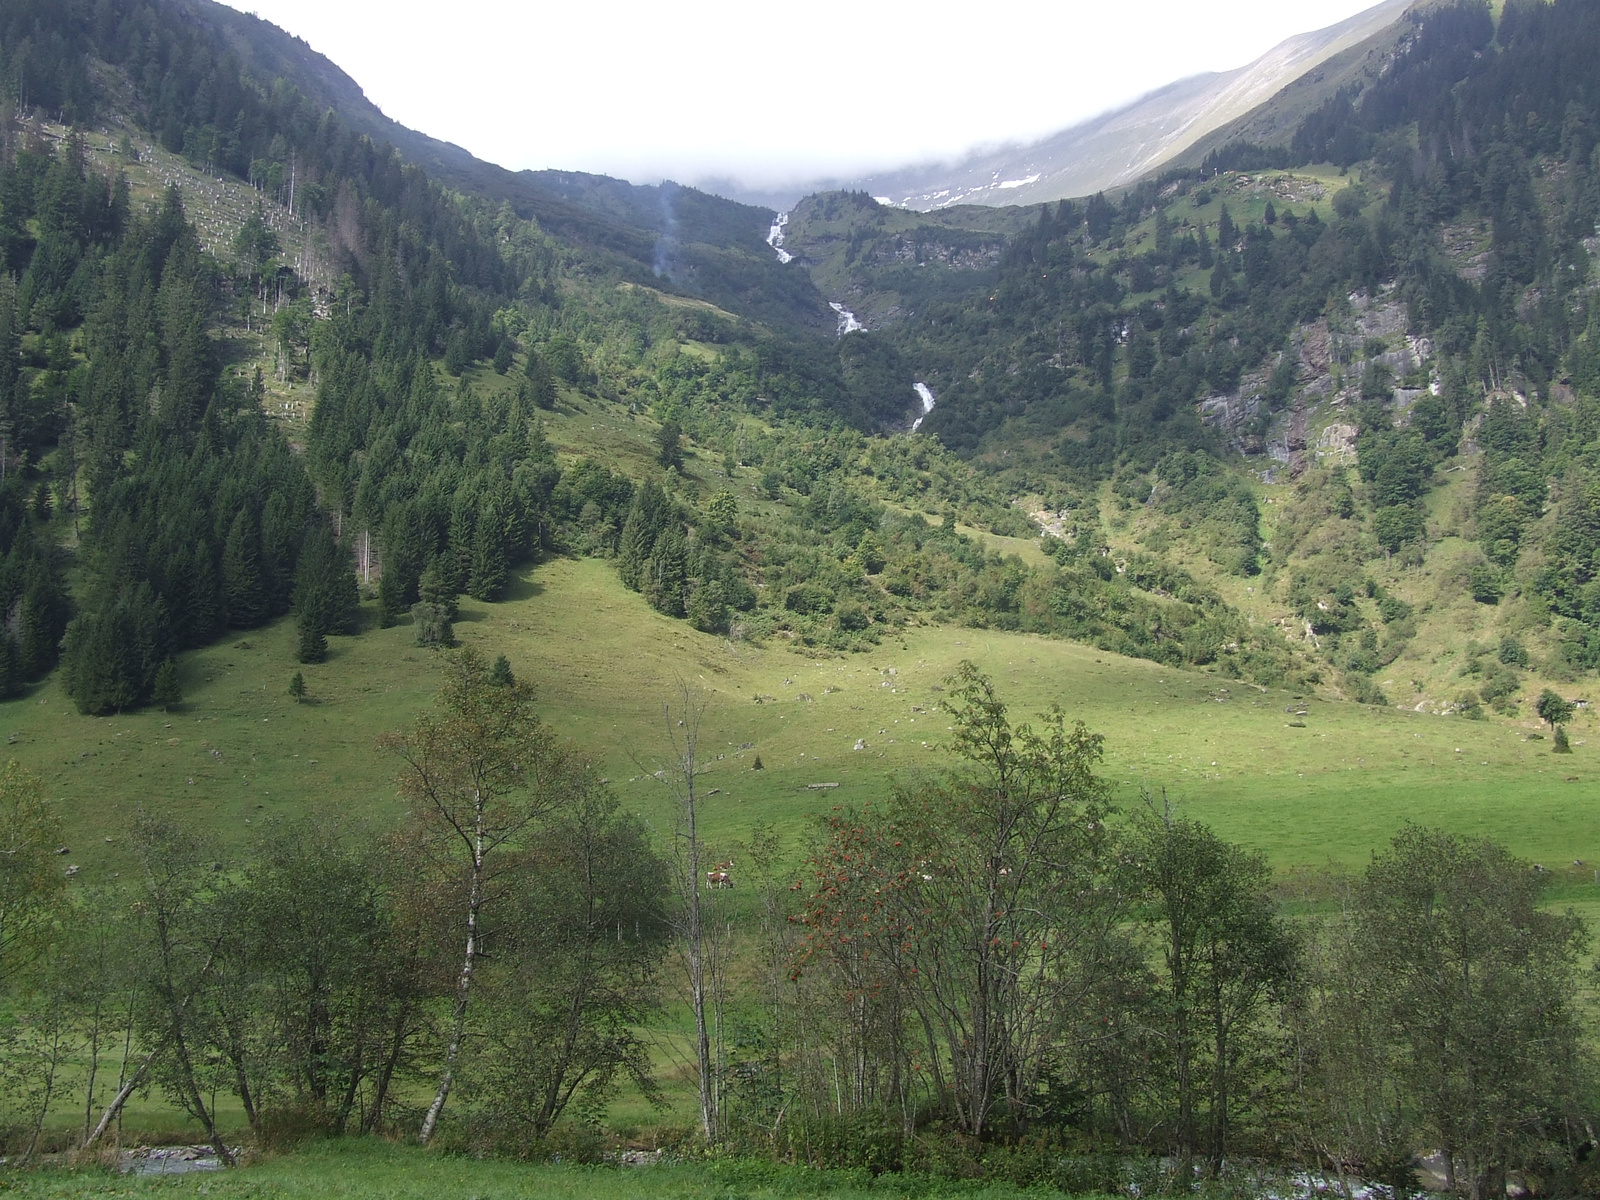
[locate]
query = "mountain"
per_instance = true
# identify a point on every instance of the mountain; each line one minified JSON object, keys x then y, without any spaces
{"x":1123,"y":145}
{"x":681,"y":238}
{"x":1360,"y":318}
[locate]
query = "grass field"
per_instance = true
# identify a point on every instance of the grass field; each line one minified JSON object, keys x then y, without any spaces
{"x":1328,"y":786}
{"x":356,"y":1170}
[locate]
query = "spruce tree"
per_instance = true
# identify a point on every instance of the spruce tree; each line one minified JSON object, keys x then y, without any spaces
{"x":491,"y":559}
{"x":433,"y":588}
{"x":165,"y":691}
{"x":1227,"y":231}
{"x":667,"y":573}
{"x":241,"y":573}
{"x":297,"y":687}
{"x":669,"y":450}
{"x":541,"y":383}
{"x":639,"y":534}
{"x":500,"y":673}
{"x":11,"y":676}
{"x":313,"y":645}
{"x":433,"y":628}
{"x":325,"y":595}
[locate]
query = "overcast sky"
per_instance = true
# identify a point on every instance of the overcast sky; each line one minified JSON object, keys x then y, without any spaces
{"x":770,"y":94}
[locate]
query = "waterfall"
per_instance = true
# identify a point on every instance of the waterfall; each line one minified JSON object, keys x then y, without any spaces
{"x":775,"y":237}
{"x":847,"y":319}
{"x":926,"y":396}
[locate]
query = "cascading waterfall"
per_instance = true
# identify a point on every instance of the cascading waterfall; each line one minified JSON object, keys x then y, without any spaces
{"x":926,"y":396}
{"x":775,"y":237}
{"x":847,"y":319}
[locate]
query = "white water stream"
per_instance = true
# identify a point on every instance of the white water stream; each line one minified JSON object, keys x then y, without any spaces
{"x":926,"y":396}
{"x":847,"y":319}
{"x":775,"y":238}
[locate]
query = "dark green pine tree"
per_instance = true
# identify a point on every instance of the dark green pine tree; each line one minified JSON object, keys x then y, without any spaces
{"x":206,"y":614}
{"x":669,"y":448}
{"x":433,"y":588}
{"x":241,"y":573}
{"x":541,"y":383}
{"x":491,"y":557}
{"x":325,"y":595}
{"x":1206,"y":259}
{"x":391,"y":598}
{"x":1227,"y":231}
{"x":34,"y":646}
{"x":165,"y":690}
{"x":112,"y":652}
{"x":639,"y":533}
{"x":500,"y":673}
{"x":313,"y":646}
{"x":11,"y":675}
{"x":405,"y":553}
{"x":456,"y":564}
{"x":667,"y":573}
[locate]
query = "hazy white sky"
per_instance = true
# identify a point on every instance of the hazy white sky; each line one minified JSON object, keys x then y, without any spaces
{"x":770,"y":93}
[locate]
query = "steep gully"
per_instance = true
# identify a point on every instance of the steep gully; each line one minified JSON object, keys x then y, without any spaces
{"x":847,"y":319}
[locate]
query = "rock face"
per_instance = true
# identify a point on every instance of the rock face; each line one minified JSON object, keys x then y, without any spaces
{"x":1333,"y":357}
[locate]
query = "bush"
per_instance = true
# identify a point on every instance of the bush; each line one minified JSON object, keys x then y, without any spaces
{"x":432,"y":626}
{"x":1512,"y":652}
{"x":1486,"y":583}
{"x":1397,"y":525}
{"x":852,"y":617}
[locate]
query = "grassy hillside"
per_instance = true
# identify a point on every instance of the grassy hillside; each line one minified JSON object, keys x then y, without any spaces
{"x":1306,"y":780}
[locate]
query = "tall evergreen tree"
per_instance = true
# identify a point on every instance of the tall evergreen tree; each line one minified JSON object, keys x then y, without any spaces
{"x":667,"y":572}
{"x":241,"y":573}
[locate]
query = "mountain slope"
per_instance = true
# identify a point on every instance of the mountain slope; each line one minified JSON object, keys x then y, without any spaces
{"x":674,"y":237}
{"x":1121,"y":146}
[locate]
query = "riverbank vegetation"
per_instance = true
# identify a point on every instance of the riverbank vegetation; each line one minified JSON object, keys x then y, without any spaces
{"x":984,"y":971}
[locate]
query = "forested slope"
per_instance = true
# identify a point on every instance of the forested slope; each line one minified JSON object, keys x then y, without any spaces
{"x":1401,"y":339}
{"x":1366,"y":331}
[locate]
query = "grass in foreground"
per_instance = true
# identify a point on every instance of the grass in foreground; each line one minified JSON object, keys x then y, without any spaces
{"x":356,"y":1170}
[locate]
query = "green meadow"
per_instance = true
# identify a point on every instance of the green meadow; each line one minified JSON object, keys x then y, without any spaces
{"x":1305,"y":779}
{"x":363,"y":1169}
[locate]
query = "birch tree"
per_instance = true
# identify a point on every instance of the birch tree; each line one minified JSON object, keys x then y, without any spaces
{"x":478,"y":772}
{"x":987,"y":892}
{"x":1477,"y":986}
{"x":690,"y":908}
{"x":1225,"y":951}
{"x":31,"y":882}
{"x":179,"y":943}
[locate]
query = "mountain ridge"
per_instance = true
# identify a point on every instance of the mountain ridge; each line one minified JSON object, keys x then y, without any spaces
{"x":1110,"y":150}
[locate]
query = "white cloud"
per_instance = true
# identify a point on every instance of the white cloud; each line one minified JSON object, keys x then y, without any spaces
{"x":770,"y":93}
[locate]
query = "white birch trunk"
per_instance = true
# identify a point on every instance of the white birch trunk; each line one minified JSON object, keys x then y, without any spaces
{"x":463,"y":984}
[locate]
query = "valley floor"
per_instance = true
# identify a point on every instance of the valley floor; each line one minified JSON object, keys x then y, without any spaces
{"x":1308,"y":780}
